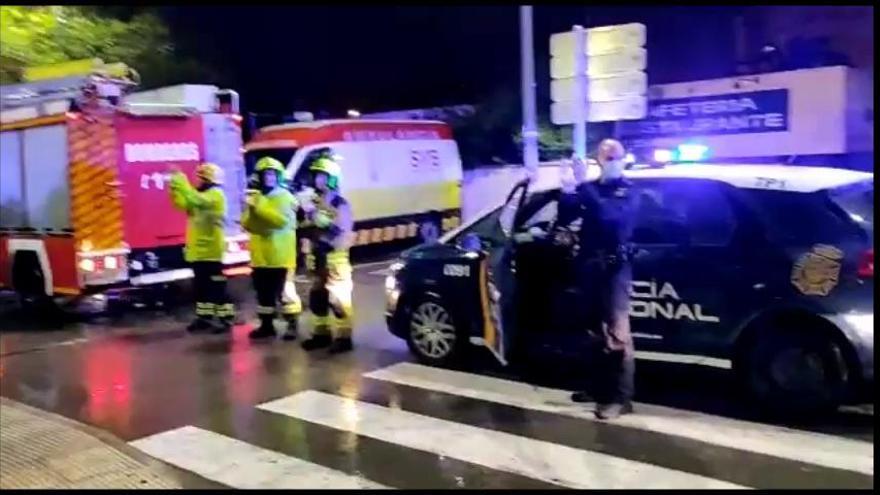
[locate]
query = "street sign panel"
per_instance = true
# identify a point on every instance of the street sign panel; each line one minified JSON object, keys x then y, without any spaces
{"x":601,"y":88}
{"x":600,"y":40}
{"x":624,"y":60}
{"x":631,"y":108}
{"x":603,"y":68}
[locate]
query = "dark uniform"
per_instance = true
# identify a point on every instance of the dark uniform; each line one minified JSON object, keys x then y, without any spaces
{"x":606,"y":210}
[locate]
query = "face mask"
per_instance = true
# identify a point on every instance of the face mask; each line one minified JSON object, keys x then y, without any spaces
{"x":264,"y":187}
{"x":612,"y":170}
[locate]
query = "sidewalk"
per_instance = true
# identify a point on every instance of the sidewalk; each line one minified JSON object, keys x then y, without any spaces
{"x":44,"y":450}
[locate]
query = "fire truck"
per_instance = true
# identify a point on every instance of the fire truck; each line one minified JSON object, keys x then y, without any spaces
{"x":84,"y":171}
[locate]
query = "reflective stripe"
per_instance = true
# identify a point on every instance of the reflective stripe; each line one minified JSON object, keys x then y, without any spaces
{"x":321,"y":323}
{"x":225,"y":310}
{"x":293,"y":308}
{"x":398,"y":231}
{"x":205,"y":309}
{"x":218,"y":278}
{"x":265,"y":310}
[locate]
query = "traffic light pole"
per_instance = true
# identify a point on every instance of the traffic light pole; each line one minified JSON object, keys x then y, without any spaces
{"x":530,"y":128}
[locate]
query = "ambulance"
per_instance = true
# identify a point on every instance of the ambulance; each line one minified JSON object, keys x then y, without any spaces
{"x":84,"y":170}
{"x":402,"y":177}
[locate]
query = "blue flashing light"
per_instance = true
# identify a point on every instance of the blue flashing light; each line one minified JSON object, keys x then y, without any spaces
{"x":692,"y":152}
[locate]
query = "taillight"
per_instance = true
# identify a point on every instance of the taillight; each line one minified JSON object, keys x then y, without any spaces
{"x":866,"y":264}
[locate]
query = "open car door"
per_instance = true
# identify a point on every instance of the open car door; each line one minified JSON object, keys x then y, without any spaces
{"x":497,"y":281}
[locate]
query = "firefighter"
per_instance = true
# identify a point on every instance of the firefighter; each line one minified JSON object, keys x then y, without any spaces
{"x":329,"y":225}
{"x":205,"y":207}
{"x":607,"y":210}
{"x":270,"y":218}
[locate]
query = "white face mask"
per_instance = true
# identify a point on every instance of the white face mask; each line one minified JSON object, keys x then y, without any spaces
{"x":612,"y":170}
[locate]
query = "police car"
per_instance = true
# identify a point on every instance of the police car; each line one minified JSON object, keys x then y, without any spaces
{"x":768,"y":266}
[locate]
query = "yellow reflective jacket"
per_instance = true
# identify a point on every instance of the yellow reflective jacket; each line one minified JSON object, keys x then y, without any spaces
{"x":271,"y":222}
{"x":206,"y":215}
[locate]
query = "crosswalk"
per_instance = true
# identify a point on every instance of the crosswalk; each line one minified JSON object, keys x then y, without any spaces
{"x":413,"y":426}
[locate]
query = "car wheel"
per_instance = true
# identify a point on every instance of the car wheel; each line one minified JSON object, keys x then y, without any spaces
{"x":796,"y":371}
{"x":432,"y":334}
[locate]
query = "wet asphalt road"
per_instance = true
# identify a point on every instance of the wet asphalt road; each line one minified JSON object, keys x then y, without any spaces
{"x":141,"y":376}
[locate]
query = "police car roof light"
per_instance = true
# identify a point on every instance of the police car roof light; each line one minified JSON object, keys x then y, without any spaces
{"x":663,"y":155}
{"x":691,"y":152}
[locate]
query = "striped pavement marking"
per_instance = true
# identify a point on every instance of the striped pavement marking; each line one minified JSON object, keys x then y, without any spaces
{"x":813,"y":448}
{"x":241,"y":465}
{"x":546,"y":461}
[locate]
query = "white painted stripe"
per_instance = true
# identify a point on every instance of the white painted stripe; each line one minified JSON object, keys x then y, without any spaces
{"x":241,"y":465}
{"x":536,"y":459}
{"x":381,"y":273}
{"x":684,"y":359}
{"x":373,"y":263}
{"x":161,"y":277}
{"x":814,"y":448}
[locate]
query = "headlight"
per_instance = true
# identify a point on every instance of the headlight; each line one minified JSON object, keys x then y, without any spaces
{"x":110,"y":262}
{"x":862,"y":322}
{"x":87,"y":265}
{"x":390,"y":283}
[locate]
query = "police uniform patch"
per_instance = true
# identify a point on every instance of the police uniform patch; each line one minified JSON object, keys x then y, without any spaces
{"x":817,"y":272}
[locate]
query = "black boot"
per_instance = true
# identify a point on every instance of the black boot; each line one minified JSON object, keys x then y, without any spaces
{"x":292,"y":325}
{"x":613,"y":410}
{"x":220,"y":326}
{"x":198,"y":324}
{"x":266,"y":328}
{"x":317,"y":342}
{"x":340,"y":345}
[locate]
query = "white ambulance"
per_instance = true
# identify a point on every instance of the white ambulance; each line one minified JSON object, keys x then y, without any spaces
{"x":402,"y":177}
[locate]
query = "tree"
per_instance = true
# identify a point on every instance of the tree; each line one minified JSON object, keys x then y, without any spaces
{"x":46,"y":35}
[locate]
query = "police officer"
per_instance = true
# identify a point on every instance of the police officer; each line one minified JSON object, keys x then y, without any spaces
{"x":270,"y":218}
{"x":205,"y":207}
{"x":606,"y":209}
{"x":328,"y":223}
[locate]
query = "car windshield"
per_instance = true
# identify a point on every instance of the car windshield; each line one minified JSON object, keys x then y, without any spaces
{"x":857,"y":200}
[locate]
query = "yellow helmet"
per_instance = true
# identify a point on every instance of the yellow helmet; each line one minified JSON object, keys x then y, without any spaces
{"x":269,"y":163}
{"x":329,"y":167}
{"x":210,"y":172}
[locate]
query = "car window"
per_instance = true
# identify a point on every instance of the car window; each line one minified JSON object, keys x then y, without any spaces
{"x":487,"y":228}
{"x":546,"y":214}
{"x":857,"y":200}
{"x":683,"y":211}
{"x":800,"y":218}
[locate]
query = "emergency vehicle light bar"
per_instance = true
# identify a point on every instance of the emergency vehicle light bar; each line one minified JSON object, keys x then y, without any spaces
{"x":686,"y":152}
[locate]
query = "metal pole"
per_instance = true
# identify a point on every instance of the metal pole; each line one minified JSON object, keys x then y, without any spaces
{"x":530,"y":127}
{"x":579,"y":136}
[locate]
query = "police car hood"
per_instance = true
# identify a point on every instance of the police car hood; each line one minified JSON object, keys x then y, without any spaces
{"x":431,"y":251}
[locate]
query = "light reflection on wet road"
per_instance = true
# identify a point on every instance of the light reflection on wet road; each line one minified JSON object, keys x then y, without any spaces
{"x":142,"y":375}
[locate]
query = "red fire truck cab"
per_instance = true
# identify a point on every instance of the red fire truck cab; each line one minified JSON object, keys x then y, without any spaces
{"x":84,"y":169}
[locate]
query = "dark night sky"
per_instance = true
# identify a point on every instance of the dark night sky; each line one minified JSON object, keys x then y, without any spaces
{"x":383,"y":58}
